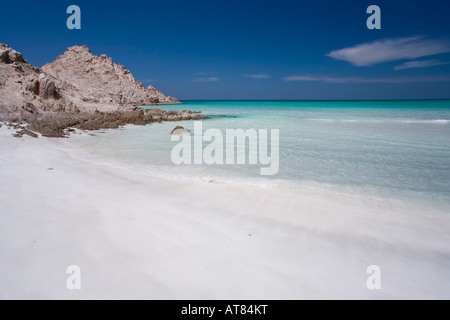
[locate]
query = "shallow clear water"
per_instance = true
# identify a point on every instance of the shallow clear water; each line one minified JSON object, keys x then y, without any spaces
{"x":386,"y":148}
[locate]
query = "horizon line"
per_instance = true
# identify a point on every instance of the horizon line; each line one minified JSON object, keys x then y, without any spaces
{"x":287,"y":100}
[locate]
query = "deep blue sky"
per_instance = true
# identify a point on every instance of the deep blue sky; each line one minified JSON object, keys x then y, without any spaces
{"x":209,"y":49}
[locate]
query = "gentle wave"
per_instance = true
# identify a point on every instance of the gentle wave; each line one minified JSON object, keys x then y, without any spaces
{"x":165,"y":172}
{"x":437,"y":121}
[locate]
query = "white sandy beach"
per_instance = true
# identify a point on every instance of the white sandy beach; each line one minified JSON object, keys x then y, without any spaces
{"x":136,"y":236}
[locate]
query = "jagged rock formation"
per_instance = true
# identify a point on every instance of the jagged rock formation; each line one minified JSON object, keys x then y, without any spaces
{"x":24,"y":89}
{"x":77,"y":81}
{"x":97,"y":83}
{"x":77,"y":90}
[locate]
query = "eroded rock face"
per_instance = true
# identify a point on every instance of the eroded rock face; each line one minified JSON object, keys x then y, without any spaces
{"x":78,"y":90}
{"x":25,"y":90}
{"x":77,"y":81}
{"x":47,"y":87}
{"x":9,"y":56}
{"x":97,"y":83}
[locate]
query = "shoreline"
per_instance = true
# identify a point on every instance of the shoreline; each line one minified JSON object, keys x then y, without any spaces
{"x":136,"y":236}
{"x":59,"y":125}
{"x":441,"y":202}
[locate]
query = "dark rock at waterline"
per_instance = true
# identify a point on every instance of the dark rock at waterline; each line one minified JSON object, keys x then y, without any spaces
{"x":55,"y":126}
{"x":178,"y":131}
{"x":22,"y":132}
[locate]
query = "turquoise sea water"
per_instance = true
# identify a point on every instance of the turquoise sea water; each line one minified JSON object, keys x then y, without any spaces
{"x":387,"y":148}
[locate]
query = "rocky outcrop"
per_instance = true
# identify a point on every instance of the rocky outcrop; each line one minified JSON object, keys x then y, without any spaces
{"x":60,"y":125}
{"x":97,"y":83}
{"x":77,"y":81}
{"x":178,"y":131}
{"x":24,"y":90}
{"x":78,"y":90}
{"x":10,"y":56}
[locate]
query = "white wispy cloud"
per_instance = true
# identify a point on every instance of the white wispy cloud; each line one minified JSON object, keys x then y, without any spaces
{"x":257,"y":76}
{"x":209,"y":79}
{"x":387,"y":50}
{"x":366,"y":80}
{"x":304,"y":78}
{"x":420,"y":64}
